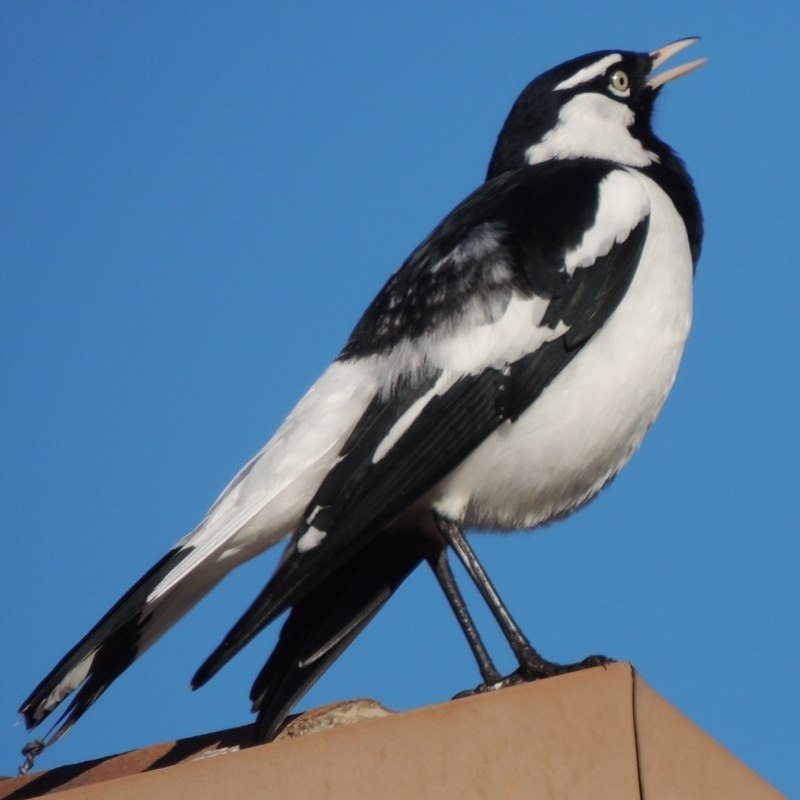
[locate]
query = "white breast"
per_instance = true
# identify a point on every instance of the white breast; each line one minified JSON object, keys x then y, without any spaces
{"x":588,"y":422}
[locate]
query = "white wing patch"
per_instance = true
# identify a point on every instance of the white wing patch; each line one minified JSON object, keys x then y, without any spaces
{"x":468,"y":346}
{"x":622,"y":204}
{"x":310,"y":539}
{"x":407,"y":418}
{"x":468,"y":350}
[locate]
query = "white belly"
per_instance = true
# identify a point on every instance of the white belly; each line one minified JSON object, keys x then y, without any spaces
{"x":585,"y":426}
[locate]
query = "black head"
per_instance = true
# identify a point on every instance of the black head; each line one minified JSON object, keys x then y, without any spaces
{"x":596,"y":106}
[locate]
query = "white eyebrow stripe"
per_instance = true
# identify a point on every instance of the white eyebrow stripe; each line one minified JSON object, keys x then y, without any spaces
{"x":587,"y":73}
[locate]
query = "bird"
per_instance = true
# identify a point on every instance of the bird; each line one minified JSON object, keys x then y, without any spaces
{"x":504,"y":374}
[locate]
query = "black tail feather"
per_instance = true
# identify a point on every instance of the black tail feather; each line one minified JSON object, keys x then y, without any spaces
{"x":113,"y":657}
{"x":324,"y":622}
{"x":115,"y":642}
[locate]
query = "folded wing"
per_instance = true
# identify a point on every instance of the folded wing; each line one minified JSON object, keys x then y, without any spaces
{"x":465,"y":336}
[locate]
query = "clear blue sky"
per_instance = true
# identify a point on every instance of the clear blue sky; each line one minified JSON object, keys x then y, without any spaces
{"x":199,"y":199}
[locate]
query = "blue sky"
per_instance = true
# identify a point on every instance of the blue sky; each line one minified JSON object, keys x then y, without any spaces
{"x":198,"y":201}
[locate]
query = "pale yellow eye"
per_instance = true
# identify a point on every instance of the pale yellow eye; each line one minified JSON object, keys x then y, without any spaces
{"x":620,"y":81}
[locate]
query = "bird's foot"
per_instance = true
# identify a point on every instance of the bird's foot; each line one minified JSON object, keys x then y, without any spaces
{"x":534,"y":670}
{"x":510,"y":680}
{"x":538,"y":668}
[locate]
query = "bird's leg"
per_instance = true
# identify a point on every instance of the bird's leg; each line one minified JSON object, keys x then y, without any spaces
{"x":531,"y":665}
{"x":441,"y":568}
{"x":519,"y":644}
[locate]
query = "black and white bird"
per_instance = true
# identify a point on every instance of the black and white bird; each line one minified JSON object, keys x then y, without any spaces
{"x":501,"y":378}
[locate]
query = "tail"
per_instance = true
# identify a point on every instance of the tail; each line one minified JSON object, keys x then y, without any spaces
{"x":260,"y":506}
{"x":327,"y":619}
{"x":325,"y":622}
{"x":134,"y":623}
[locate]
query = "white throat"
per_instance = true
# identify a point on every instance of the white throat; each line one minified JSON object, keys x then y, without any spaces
{"x":592,"y":125}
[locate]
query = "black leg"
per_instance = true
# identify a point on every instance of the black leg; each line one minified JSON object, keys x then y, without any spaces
{"x":531,"y":664}
{"x":441,"y":568}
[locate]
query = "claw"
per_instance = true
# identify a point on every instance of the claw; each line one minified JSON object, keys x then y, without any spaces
{"x":536,"y":671}
{"x":548,"y":669}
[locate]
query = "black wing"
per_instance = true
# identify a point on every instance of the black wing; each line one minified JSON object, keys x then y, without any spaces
{"x":511,"y":237}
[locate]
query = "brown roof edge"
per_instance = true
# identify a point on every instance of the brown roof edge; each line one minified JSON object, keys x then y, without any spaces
{"x":600,"y":733}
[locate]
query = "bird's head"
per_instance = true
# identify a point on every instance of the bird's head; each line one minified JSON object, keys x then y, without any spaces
{"x":594,"y":106}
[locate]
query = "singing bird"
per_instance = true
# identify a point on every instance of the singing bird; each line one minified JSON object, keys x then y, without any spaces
{"x":502,"y":376}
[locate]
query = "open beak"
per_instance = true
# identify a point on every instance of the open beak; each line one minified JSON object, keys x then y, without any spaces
{"x":666,"y":52}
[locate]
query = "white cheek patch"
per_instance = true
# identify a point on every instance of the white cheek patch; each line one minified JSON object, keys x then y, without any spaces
{"x":592,"y":125}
